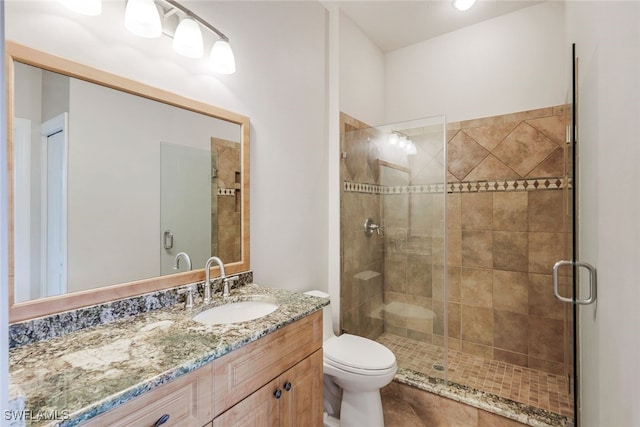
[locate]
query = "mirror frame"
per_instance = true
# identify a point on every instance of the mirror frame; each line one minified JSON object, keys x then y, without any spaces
{"x":15,"y":52}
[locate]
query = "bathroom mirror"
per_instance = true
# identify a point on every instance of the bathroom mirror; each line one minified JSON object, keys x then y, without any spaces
{"x":110,"y":180}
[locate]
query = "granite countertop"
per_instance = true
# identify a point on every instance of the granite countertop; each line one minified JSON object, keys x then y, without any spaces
{"x":85,"y":373}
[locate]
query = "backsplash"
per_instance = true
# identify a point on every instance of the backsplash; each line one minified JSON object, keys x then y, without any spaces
{"x":58,"y":324}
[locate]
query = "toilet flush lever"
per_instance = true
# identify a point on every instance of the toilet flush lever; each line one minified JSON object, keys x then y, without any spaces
{"x":370,"y":227}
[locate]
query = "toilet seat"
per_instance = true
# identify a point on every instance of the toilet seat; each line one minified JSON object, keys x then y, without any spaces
{"x":358,"y":355}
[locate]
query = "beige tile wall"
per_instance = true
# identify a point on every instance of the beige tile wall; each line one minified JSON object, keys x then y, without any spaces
{"x":361,"y":257}
{"x":226,"y":213}
{"x":502,"y":244}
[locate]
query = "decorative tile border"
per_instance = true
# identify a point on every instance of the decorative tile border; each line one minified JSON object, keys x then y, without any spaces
{"x":59,"y":324}
{"x":555,"y":183}
{"x":356,"y":187}
{"x":226,"y":191}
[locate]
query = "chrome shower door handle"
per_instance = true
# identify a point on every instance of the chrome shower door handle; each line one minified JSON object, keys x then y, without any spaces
{"x":593,"y":282}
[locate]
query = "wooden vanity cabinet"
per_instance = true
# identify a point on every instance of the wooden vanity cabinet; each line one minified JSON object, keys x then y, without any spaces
{"x":239,"y":389}
{"x":186,"y":401}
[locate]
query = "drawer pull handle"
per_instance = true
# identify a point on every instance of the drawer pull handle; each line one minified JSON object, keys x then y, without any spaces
{"x":163,"y":419}
{"x":278,"y":394}
{"x":287,"y":386}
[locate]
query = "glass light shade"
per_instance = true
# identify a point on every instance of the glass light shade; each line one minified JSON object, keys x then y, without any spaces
{"x":188,"y":39}
{"x":142,"y":18}
{"x":221,"y":59}
{"x":393,"y":139}
{"x":403,"y":141}
{"x":463,"y":4}
{"x":85,"y":7}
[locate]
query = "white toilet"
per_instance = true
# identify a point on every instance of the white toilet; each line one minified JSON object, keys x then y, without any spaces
{"x":355,"y":369}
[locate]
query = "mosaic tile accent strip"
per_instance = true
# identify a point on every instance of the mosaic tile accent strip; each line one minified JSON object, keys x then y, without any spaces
{"x":59,"y":324}
{"x":556,"y":183}
{"x":357,"y":187}
{"x":543,"y":392}
{"x":226,"y":191}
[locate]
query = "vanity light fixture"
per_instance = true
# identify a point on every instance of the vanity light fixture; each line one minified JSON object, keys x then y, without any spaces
{"x":463,"y":4}
{"x":85,"y":7}
{"x":397,"y":139}
{"x":145,"y":18}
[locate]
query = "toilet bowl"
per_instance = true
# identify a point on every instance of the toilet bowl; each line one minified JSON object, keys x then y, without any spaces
{"x":355,"y":369}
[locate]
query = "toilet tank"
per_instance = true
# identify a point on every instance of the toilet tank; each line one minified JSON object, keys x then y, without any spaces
{"x":327,"y":319}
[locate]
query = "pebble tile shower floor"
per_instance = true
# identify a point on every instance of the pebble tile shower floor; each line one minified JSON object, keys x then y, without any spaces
{"x":528,"y":386}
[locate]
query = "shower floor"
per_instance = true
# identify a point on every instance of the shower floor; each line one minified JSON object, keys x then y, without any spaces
{"x":531,"y":387}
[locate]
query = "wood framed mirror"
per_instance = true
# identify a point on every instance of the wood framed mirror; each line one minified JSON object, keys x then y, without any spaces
{"x":109,"y":180}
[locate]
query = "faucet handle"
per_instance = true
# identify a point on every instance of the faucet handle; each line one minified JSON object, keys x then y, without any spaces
{"x":230,"y":280}
{"x":227,"y":284}
{"x":188,"y":300}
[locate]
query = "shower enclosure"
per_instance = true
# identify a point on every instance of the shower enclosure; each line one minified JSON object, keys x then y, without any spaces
{"x":449,"y":232}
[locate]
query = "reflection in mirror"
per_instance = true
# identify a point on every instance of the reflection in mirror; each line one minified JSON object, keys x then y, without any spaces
{"x":109,"y":186}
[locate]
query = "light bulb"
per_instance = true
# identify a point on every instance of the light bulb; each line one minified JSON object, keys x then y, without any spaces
{"x":411,"y":148}
{"x":221,"y":58}
{"x":85,"y":7}
{"x":463,"y":4}
{"x":188,"y":39}
{"x":141,"y":17}
{"x":393,"y":139}
{"x":403,"y":142}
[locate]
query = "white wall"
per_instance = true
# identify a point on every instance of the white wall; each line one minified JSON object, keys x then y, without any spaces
{"x":4,"y":259}
{"x":280,"y":50}
{"x":362,"y":78}
{"x":511,"y":63}
{"x":607,"y":37}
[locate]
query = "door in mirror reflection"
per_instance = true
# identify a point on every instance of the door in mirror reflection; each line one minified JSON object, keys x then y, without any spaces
{"x":40,"y":189}
{"x":185,"y":205}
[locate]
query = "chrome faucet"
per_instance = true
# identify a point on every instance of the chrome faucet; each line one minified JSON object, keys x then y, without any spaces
{"x":207,"y":278}
{"x":176,"y":261}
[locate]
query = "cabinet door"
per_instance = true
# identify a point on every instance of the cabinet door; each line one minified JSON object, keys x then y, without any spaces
{"x":302,"y":402}
{"x":258,"y":409}
{"x":186,"y":401}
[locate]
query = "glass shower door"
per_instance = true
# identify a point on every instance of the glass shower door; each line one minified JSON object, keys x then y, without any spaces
{"x":393,"y":280}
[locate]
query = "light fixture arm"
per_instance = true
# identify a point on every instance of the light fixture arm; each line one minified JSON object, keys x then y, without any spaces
{"x":198,"y":19}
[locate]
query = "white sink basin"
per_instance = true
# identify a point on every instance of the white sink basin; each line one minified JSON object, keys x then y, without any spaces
{"x":236,"y":312}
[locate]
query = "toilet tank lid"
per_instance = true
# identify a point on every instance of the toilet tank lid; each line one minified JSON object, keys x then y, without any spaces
{"x":317,"y":293}
{"x":358,"y":352}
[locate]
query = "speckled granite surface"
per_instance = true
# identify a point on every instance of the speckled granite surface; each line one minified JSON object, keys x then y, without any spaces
{"x":507,"y":408}
{"x":84,"y":373}
{"x":63,"y":323}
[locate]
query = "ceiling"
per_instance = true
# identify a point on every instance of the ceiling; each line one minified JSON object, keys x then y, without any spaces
{"x":393,"y":24}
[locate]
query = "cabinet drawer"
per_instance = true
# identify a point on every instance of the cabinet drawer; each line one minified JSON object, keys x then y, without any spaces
{"x":187,"y":401}
{"x":241,"y":372}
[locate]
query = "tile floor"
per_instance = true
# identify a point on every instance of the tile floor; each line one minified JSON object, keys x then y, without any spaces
{"x":528,"y":386}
